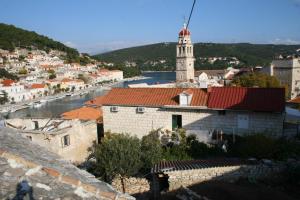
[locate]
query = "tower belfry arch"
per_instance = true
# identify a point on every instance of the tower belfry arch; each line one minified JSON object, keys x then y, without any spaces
{"x":185,"y":54}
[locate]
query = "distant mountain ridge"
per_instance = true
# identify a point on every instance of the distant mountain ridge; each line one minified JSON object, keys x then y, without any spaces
{"x":11,"y":37}
{"x":247,"y":54}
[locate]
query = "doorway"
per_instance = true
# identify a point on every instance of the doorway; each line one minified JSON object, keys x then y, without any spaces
{"x":176,"y":122}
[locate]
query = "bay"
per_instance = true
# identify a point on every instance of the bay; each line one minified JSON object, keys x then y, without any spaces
{"x":55,"y":108}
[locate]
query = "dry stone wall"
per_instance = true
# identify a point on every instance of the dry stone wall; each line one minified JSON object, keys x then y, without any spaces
{"x":185,"y":178}
{"x":132,"y":185}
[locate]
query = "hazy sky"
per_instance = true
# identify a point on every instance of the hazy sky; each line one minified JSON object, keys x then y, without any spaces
{"x":101,"y":25}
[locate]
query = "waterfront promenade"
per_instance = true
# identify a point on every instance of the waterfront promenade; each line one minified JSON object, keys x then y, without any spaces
{"x":26,"y":104}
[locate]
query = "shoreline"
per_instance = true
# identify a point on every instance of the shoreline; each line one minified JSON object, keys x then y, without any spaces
{"x":155,"y":71}
{"x":11,"y":108}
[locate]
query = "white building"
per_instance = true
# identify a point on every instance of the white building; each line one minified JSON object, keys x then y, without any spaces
{"x":287,"y":71}
{"x":137,"y":111}
{"x":38,"y":90}
{"x":185,"y":57}
{"x":15,"y":91}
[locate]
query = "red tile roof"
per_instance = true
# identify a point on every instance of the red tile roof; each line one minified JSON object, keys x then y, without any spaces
{"x":231,"y":98}
{"x":65,"y":80}
{"x":295,"y":100}
{"x":37,"y":86}
{"x":98,"y":101}
{"x":152,"y":96}
{"x":7,"y":82}
{"x":84,"y":113}
{"x":254,"y":99}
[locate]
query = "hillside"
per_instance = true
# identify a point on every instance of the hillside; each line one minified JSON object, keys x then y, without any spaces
{"x":247,"y":54}
{"x":11,"y":37}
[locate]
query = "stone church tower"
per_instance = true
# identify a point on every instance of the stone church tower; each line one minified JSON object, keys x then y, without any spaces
{"x":185,"y":57}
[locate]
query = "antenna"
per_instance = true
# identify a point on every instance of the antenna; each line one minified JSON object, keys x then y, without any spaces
{"x":191,"y":14}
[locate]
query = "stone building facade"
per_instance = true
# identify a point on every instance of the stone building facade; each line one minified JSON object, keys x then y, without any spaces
{"x":139,"y":111}
{"x":68,"y":138}
{"x":199,"y":121}
{"x":185,"y":57}
{"x":288,"y":73}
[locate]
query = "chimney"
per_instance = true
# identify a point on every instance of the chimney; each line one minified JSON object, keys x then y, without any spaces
{"x":209,"y":89}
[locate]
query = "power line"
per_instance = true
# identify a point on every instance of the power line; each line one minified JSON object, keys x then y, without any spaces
{"x":191,"y":14}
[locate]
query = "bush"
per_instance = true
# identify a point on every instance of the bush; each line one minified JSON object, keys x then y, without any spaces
{"x":258,"y":146}
{"x":176,"y":152}
{"x":293,"y":174}
{"x":118,"y":154}
{"x":200,"y":150}
{"x":151,"y":150}
{"x":286,"y":149}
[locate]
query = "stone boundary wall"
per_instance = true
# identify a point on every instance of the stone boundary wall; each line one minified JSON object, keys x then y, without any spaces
{"x":185,"y":178}
{"x":66,"y":179}
{"x":132,"y":185}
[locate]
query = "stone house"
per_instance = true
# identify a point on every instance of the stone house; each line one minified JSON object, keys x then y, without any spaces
{"x":288,"y":73}
{"x":29,"y":171}
{"x":231,"y":110}
{"x":68,"y":138}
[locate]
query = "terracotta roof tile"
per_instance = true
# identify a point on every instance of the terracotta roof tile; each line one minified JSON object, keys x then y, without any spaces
{"x":98,"y":101}
{"x":152,"y":96}
{"x":37,"y":86}
{"x":84,"y":113}
{"x":254,"y":99}
{"x":7,"y":82}
{"x":295,"y":100}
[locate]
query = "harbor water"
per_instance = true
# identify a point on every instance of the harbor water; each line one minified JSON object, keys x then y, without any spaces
{"x":54,"y":109}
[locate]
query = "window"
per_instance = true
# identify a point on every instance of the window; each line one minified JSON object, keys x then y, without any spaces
{"x":176,"y":122}
{"x":140,"y":110}
{"x":222,"y":112}
{"x":36,"y":125}
{"x":243,"y":121}
{"x":114,"y":109}
{"x":66,"y":140}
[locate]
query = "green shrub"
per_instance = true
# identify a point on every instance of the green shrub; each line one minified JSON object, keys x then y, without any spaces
{"x":258,"y":146}
{"x":286,"y":149}
{"x":176,"y":152}
{"x":151,"y":150}
{"x":293,"y":174}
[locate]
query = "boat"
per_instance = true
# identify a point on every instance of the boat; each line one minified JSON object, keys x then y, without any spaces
{"x":29,"y":104}
{"x":70,"y":94}
{"x":4,"y":110}
{"x":37,"y":104}
{"x":44,"y":101}
{"x":83,"y":93}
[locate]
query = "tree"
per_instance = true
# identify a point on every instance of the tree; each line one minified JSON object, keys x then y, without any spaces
{"x":51,"y":71}
{"x":256,"y":80}
{"x":151,"y":149}
{"x":118,"y":154}
{"x":73,"y":89}
{"x":23,"y":71}
{"x":83,"y":78}
{"x":6,"y":74}
{"x":52,"y":76}
{"x":3,"y":98}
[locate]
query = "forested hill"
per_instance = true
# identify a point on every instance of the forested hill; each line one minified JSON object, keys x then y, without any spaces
{"x":11,"y":37}
{"x":247,"y":54}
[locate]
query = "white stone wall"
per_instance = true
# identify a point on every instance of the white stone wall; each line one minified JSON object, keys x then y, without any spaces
{"x":127,"y":120}
{"x":81,"y":135}
{"x":288,"y":73}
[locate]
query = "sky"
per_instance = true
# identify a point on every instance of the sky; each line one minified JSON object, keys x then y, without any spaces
{"x":95,"y":26}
